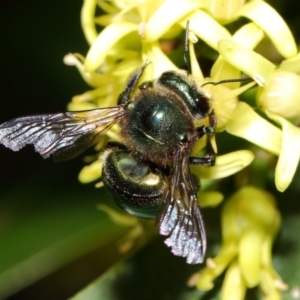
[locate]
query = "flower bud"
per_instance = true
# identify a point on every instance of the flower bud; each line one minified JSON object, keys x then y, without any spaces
{"x":281,"y":94}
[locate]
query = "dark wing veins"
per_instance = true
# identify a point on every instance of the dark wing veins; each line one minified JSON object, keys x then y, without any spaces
{"x":180,"y":218}
{"x":64,"y":135}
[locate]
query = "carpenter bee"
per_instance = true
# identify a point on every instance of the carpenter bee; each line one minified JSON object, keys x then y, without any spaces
{"x":149,"y":175}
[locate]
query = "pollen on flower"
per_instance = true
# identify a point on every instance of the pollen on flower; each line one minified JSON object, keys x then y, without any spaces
{"x":69,"y":59}
{"x":280,"y":285}
{"x":99,"y":184}
{"x":260,"y":80}
{"x":210,"y":263}
{"x":142,"y":29}
{"x":192,"y":37}
{"x":193,"y":279}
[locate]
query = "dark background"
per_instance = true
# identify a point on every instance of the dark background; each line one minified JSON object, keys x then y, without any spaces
{"x":35,"y":36}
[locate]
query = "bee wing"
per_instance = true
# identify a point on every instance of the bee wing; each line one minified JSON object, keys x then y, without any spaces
{"x":179,"y":214}
{"x":64,"y":135}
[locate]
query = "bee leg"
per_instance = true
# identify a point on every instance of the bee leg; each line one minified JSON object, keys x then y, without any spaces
{"x":146,"y":85}
{"x":209,"y":158}
{"x":212,"y":120}
{"x":186,"y":57}
{"x":131,"y":85}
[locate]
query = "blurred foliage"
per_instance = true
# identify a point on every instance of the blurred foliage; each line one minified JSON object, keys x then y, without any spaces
{"x":54,"y":243}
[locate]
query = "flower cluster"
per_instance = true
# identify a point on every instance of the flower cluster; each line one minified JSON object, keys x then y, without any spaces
{"x":124,"y":34}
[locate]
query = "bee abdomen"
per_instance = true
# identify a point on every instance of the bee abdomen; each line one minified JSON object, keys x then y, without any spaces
{"x":136,"y":186}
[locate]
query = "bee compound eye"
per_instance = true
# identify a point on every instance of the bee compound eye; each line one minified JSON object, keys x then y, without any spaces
{"x":203,"y":104}
{"x":135,"y":185}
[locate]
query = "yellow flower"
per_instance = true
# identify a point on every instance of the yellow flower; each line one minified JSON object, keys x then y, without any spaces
{"x":250,"y":222}
{"x":248,"y":124}
{"x":278,"y":94}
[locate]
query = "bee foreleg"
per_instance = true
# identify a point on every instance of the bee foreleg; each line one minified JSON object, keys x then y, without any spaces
{"x":208,"y":159}
{"x":131,"y":84}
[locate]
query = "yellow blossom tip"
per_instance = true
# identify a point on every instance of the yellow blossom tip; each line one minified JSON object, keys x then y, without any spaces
{"x":210,"y":263}
{"x":87,"y":20}
{"x":260,"y":80}
{"x":234,"y":286}
{"x":273,"y":25}
{"x":291,"y":64}
{"x":192,"y":37}
{"x":162,"y":20}
{"x":280,"y":285}
{"x":69,"y":59}
{"x":210,"y":198}
{"x":244,"y":59}
{"x":221,"y":10}
{"x":107,"y":40}
{"x":142,"y":29}
{"x":192,"y":280}
{"x":290,"y":152}
{"x":249,"y":255}
{"x":281,"y":94}
{"x":248,"y":35}
{"x":91,"y":172}
{"x":246,"y":123}
{"x":226,"y":165}
{"x":99,"y":185}
{"x":207,"y":28}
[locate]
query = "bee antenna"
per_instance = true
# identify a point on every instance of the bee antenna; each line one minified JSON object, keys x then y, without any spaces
{"x":186,"y":57}
{"x":247,"y":79}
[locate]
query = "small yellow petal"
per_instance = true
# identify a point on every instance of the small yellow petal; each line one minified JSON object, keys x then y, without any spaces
{"x":291,"y":64}
{"x":105,"y":41}
{"x":246,"y":60}
{"x":226,"y":165}
{"x":207,"y":28}
{"x":234,"y":287}
{"x":108,"y":7}
{"x":216,"y":266}
{"x":162,"y":19}
{"x":290,"y":153}
{"x":205,"y":282}
{"x":272,"y":23}
{"x":87,"y":20}
{"x":225,"y":100}
{"x":247,"y":124}
{"x":223,"y":10}
{"x":211,"y":198}
{"x":91,"y":172}
{"x":77,"y":106}
{"x":91,"y":78}
{"x":281,"y":94}
{"x":228,"y":222}
{"x":268,"y":287}
{"x":248,"y":35}
{"x":159,"y":61}
{"x":195,"y":67}
{"x":250,"y":245}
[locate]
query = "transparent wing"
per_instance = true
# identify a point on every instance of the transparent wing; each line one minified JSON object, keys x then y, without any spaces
{"x":64,"y":135}
{"x":179,"y":215}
